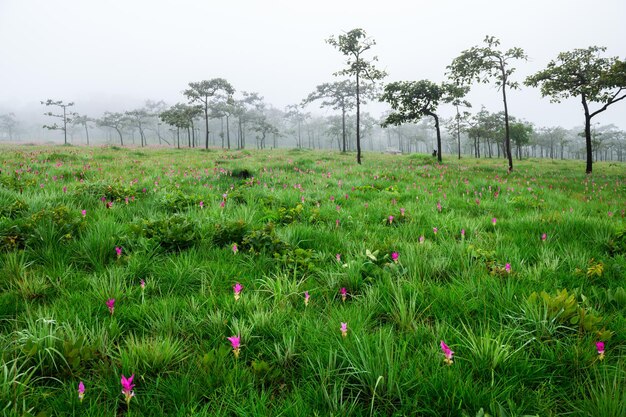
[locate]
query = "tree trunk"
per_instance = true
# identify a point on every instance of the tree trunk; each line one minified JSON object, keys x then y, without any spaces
{"x":206,"y":123}
{"x":458,"y":130}
{"x":438,"y":135}
{"x":588,"y":148}
{"x":358,"y":118}
{"x":228,"y":132}
{"x":506,"y":123}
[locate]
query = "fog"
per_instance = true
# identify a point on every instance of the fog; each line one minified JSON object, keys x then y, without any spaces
{"x":113,"y":55}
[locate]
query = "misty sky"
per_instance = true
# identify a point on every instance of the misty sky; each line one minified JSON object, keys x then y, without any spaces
{"x":114,"y":54}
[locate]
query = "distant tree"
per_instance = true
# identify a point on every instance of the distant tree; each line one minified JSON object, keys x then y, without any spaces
{"x":354,"y":45}
{"x":115,"y":121}
{"x":455,"y":96}
{"x":583,"y":73}
{"x":178,"y":117}
{"x":8,"y":123}
{"x":412,"y":100}
{"x":340,"y":95}
{"x":203,"y":92}
{"x":248,"y":108}
{"x":66,"y":117}
{"x":521,"y":133}
{"x":263,"y":127}
{"x":483,"y":64}
{"x":82,"y":120}
{"x":294,"y":113}
{"x":138,"y":118}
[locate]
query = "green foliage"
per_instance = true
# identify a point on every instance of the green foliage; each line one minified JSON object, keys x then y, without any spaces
{"x":110,"y":192}
{"x":178,"y":201}
{"x":617,"y":243}
{"x":173,"y":233}
{"x":229,"y":233}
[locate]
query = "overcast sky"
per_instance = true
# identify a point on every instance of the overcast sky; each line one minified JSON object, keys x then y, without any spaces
{"x":114,"y":54}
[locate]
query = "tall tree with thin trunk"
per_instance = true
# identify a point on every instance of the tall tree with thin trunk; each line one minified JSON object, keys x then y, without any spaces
{"x":202,"y":92}
{"x":66,"y":117}
{"x":115,"y":121}
{"x":8,"y":124}
{"x":583,"y":73}
{"x":486,"y":63}
{"x":354,"y":45}
{"x":83,"y":121}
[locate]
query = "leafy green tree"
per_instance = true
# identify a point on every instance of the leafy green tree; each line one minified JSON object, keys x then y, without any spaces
{"x":412,"y":100}
{"x":521,"y":133}
{"x":115,"y":121}
{"x":583,"y":73}
{"x":66,"y":117}
{"x":84,"y":121}
{"x":263,"y":127}
{"x":294,"y":113}
{"x":139,"y":118}
{"x":203,"y":92}
{"x":354,"y":45}
{"x":486,"y":63}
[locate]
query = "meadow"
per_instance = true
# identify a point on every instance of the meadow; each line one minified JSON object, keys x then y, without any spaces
{"x":297,"y":283}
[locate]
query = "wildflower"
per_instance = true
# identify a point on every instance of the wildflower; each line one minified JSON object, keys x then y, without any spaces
{"x":306,"y":298}
{"x":438,"y":206}
{"x":202,"y":204}
{"x":402,"y":211}
{"x":344,"y":293}
{"x":81,"y":391}
{"x":447,"y":353}
{"x":118,"y":251}
{"x":507,"y":268}
{"x":600,"y":347}
{"x":237,"y":290}
{"x":462,"y":233}
{"x":390,"y":219}
{"x":142,"y":283}
{"x":235,"y":341}
{"x":223,"y":203}
{"x":337,"y":223}
{"x":235,"y":248}
{"x":127,"y":388}
{"x":493,"y":221}
{"x":111,"y":305}
{"x":544,"y":237}
{"x":338,"y":257}
{"x":435,"y":230}
{"x":83,"y":212}
{"x":394,"y":256}
{"x":344,"y":329}
{"x":64,"y":189}
{"x":421,"y":239}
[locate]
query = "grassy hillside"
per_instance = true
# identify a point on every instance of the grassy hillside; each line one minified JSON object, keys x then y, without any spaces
{"x":520,"y":274}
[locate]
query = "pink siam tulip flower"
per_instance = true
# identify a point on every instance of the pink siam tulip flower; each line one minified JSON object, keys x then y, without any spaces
{"x":394,"y":256}
{"x":64,"y":189}
{"x":83,"y":212}
{"x":338,"y":257}
{"x":223,"y":203}
{"x":493,"y":221}
{"x":344,"y":329}
{"x":201,"y":204}
{"x":235,"y":248}
{"x":81,"y":391}
{"x":235,"y":341}
{"x":462,"y":233}
{"x":390,"y":219}
{"x":507,"y":268}
{"x":306,"y":298}
{"x":402,"y":210}
{"x":421,"y":240}
{"x":142,"y":283}
{"x":127,"y":388}
{"x":344,"y":293}
{"x":337,"y":223}
{"x":118,"y":251}
{"x":600,"y":348}
{"x":447,"y":352}
{"x":237,"y":290}
{"x":435,"y":230}
{"x":544,"y":237}
{"x":111,"y":305}
{"x":438,"y":206}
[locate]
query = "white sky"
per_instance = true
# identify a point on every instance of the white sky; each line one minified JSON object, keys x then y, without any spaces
{"x":114,"y":54}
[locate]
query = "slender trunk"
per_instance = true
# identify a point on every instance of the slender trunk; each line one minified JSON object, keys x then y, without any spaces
{"x":506,"y":126}
{"x":178,"y":137}
{"x":87,"y":133}
{"x":222,"y":120}
{"x":343,"y":127}
{"x":227,"y":132}
{"x":458,"y":130}
{"x":206,"y":122}
{"x":188,"y":137}
{"x":589,"y":167}
{"x":358,"y":119}
{"x":193,"y":134}
{"x":438,"y":135}
{"x":119,"y":132}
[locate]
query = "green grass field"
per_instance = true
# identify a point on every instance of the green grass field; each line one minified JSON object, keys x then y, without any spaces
{"x":519,"y":274}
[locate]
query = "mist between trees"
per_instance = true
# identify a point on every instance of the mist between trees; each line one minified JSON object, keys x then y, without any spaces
{"x":212,"y":113}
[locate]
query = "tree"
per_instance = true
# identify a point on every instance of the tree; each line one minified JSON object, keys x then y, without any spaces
{"x":482,"y":64}
{"x":139,"y":118}
{"x":340,"y":95}
{"x":583,"y":73}
{"x":203,"y":91}
{"x":263,"y":127}
{"x":412,"y":100}
{"x":84,"y":122}
{"x":8,"y":123}
{"x":520,"y":134}
{"x":293,"y":112}
{"x":354,"y":45}
{"x":116,"y":121}
{"x":65,"y":116}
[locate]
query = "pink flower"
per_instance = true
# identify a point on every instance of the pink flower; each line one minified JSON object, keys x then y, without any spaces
{"x":344,"y":293}
{"x":202,"y":204}
{"x":337,"y":223}
{"x":438,"y":206}
{"x":237,"y":290}
{"x":118,"y":251}
{"x":143,"y":284}
{"x":493,"y":221}
{"x":83,"y":212}
{"x":402,"y":211}
{"x":544,"y":237}
{"x":338,"y":257}
{"x":223,"y":203}
{"x":235,"y":341}
{"x":421,"y":240}
{"x":435,"y":230}
{"x":447,"y":352}
{"x":344,"y":329}
{"x":81,"y":391}
{"x":462,"y":233}
{"x":507,"y":268}
{"x":394,"y":256}
{"x":111,"y":305}
{"x":390,"y":219}
{"x":600,"y":348}
{"x":306,"y":298}
{"x":235,"y":248}
{"x":127,"y":388}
